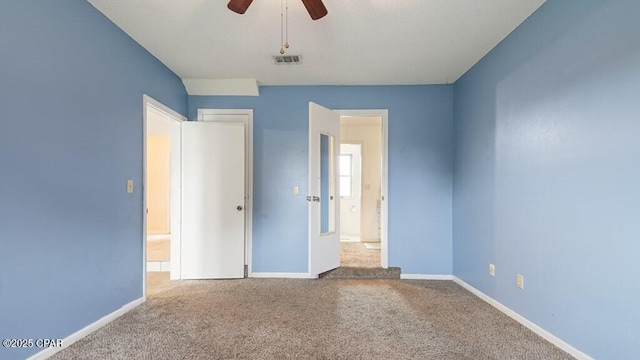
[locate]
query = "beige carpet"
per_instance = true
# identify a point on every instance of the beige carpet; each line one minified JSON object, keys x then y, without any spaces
{"x":313,"y":319}
{"x":350,"y":272}
{"x":357,"y":255}
{"x":158,"y":282}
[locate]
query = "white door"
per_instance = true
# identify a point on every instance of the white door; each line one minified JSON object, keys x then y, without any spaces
{"x":176,"y":195}
{"x":213,"y":195}
{"x":324,"y":202}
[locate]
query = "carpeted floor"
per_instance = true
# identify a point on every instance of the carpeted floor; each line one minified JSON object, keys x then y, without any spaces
{"x":312,"y":319}
{"x":356,"y":254}
{"x":351,"y":272}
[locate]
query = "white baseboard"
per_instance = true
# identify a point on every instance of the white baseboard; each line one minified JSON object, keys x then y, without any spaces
{"x":282,"y":275}
{"x":158,"y":266}
{"x":524,"y":321}
{"x":69,"y":340}
{"x":425,"y":277}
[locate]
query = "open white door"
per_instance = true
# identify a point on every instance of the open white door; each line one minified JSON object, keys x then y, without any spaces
{"x":213,"y":200}
{"x":324,"y":206}
{"x":176,"y":195}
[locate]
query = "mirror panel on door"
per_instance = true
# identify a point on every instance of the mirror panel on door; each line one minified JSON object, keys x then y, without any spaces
{"x":327,"y":184}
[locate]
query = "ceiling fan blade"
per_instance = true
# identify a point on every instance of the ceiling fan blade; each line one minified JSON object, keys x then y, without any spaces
{"x":239,"y":6}
{"x":315,"y":8}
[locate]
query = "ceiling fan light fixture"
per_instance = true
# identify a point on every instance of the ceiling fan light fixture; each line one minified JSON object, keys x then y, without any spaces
{"x":239,"y":6}
{"x":315,"y":8}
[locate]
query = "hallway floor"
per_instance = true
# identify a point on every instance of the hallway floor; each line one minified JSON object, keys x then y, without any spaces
{"x":355,"y":254}
{"x":352,"y":253}
{"x":158,"y":250}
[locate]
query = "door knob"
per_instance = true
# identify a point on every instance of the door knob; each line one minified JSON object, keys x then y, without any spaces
{"x":239,"y":208}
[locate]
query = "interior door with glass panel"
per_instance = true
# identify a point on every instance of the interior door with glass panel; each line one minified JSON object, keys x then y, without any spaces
{"x":324,"y":204}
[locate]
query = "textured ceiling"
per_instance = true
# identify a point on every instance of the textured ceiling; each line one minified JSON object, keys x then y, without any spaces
{"x":359,"y":42}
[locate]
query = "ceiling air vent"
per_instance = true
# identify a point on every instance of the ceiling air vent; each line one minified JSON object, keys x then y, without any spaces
{"x":287,"y":59}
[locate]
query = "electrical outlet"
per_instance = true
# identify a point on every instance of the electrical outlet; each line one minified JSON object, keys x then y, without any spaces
{"x":296,"y":190}
{"x":492,"y":270}
{"x":130,"y":186}
{"x":520,"y":281}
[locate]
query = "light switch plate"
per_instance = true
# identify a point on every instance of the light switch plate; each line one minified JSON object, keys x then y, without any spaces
{"x":130,"y":186}
{"x":296,"y":190}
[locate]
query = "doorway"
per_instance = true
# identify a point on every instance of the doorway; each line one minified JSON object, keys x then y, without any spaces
{"x":161,"y":199}
{"x":325,"y":246}
{"x":174,"y":128}
{"x":361,"y":195}
{"x":158,"y":190}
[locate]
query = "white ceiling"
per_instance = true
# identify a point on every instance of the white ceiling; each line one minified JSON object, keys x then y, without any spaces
{"x":360,"y":42}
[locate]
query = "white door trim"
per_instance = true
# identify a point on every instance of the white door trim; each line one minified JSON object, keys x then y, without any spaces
{"x":149,"y":102}
{"x":384,"y":231}
{"x":248,"y":129}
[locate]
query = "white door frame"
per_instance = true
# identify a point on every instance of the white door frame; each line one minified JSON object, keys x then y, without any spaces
{"x":248,"y":130}
{"x":384,"y":216}
{"x":149,"y":102}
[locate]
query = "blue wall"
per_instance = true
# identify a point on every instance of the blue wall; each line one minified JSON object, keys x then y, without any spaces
{"x":545,"y":170}
{"x":420,"y":161}
{"x":546,"y":174}
{"x":71,"y":86}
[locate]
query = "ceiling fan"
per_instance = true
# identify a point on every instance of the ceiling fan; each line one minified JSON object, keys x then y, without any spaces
{"x":315,"y":8}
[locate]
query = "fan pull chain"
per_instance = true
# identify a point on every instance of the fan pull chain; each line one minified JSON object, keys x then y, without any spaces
{"x":286,"y":44}
{"x":281,"y":26}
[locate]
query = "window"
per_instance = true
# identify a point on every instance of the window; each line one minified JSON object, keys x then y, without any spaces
{"x":346,"y":181}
